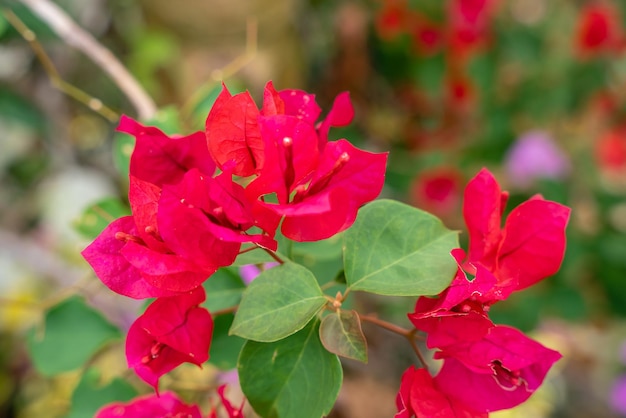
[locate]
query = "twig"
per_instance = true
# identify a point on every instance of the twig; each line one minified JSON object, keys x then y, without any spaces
{"x":409,"y":334}
{"x":231,"y":309}
{"x":56,"y":80}
{"x":74,"y":35}
{"x":231,"y":68}
{"x":386,"y":325}
{"x":415,"y":348}
{"x":272,"y":254}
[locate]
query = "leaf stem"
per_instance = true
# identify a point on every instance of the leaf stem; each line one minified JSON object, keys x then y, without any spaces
{"x":272,"y":254}
{"x":409,"y":334}
{"x":225,"y":311}
{"x":416,"y":349}
{"x":386,"y":325}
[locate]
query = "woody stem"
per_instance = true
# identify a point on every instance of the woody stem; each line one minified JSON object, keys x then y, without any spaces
{"x":272,"y":254}
{"x":409,"y":334}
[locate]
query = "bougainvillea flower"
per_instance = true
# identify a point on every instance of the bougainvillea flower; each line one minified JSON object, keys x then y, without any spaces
{"x":150,"y":406}
{"x":469,"y":23}
{"x":341,"y":114}
{"x":291,"y":152}
{"x":498,"y":372}
{"x":530,"y":246}
{"x":598,"y":29}
{"x":232,"y":133}
{"x":460,"y":312}
{"x":391,"y":19}
{"x":160,"y":159}
{"x":302,"y":105}
{"x":123,"y":262}
{"x":611,"y":151}
{"x":533,"y":156}
{"x":204,"y":219}
{"x":324,"y":200}
{"x":290,"y":102}
{"x":437,"y":190}
{"x":170,"y":332}
{"x":419,"y":397}
{"x":227,"y":406}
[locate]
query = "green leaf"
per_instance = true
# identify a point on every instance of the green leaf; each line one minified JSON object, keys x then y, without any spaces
{"x":341,"y":334}
{"x":99,"y":215}
{"x":397,"y":250}
{"x":224,"y":348}
{"x":90,"y":395}
{"x":293,"y":377}
{"x":223,"y":290}
{"x":278,"y":303}
{"x":73,"y":333}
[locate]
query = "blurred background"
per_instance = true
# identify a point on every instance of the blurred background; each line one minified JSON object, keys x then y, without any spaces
{"x":534,"y":90}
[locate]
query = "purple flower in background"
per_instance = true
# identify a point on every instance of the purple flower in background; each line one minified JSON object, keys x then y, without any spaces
{"x":618,"y":395}
{"x":534,"y":156}
{"x":249,"y":272}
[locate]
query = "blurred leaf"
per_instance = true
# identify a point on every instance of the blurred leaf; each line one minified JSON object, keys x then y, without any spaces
{"x":73,"y":333}
{"x":278,"y":303}
{"x":167,"y":119}
{"x":90,"y":395}
{"x":99,"y":215}
{"x":223,"y":290}
{"x":224,"y":348}
{"x":293,"y":377}
{"x":17,"y":108}
{"x":123,"y":146}
{"x":204,"y":103}
{"x":428,"y":73}
{"x":4,"y":25}
{"x":341,"y":334}
{"x":398,"y":250}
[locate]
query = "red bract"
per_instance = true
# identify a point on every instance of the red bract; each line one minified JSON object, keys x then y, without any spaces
{"x":150,"y":406}
{"x":318,"y":185}
{"x":391,"y":19}
{"x":227,"y":406}
{"x":437,"y":190}
{"x":302,"y":105}
{"x":291,"y":102}
{"x":527,"y":249}
{"x":326,"y":198}
{"x":171,"y":331}
{"x":598,"y":29}
{"x":459,"y":313}
{"x":419,"y":397}
{"x":469,"y":23}
{"x":160,"y":159}
{"x":204,"y":219}
{"x":130,"y":257}
{"x":232,"y":133}
{"x":123,"y":261}
{"x":497,"y":372}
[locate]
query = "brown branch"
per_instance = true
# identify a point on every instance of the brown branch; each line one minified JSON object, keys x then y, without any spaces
{"x":55,"y":78}
{"x":409,"y":334}
{"x":231,"y":309}
{"x":74,"y":35}
{"x":386,"y":325}
{"x":272,"y":254}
